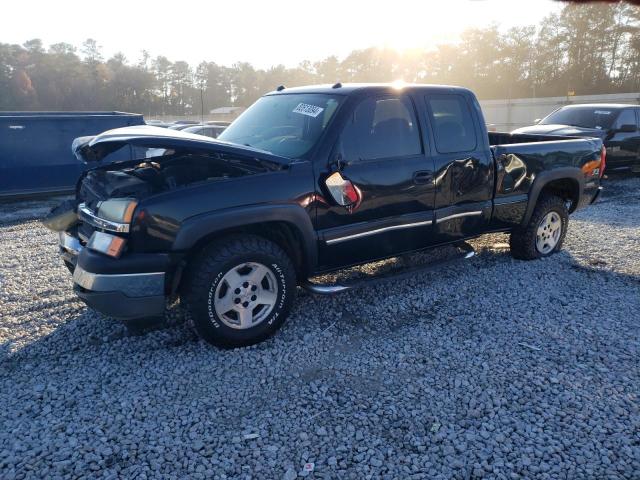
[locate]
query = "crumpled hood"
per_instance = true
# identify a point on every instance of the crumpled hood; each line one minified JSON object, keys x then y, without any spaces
{"x":564,"y":130}
{"x":96,"y":148}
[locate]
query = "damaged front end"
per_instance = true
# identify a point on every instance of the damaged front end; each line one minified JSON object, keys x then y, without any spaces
{"x":107,"y":196}
{"x":95,"y":228}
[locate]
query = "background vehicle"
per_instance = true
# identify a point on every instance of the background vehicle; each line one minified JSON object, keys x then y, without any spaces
{"x":308,"y":180}
{"x":186,"y":122}
{"x":157,"y":123}
{"x":35,"y":153}
{"x":618,"y":125}
{"x":212,"y":131}
{"x":180,"y":126}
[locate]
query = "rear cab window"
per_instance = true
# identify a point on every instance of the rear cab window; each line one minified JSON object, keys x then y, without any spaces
{"x":626,"y":117}
{"x":452,"y":121}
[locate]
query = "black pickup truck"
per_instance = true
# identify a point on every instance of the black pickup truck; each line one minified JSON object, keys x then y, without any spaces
{"x":308,"y":180}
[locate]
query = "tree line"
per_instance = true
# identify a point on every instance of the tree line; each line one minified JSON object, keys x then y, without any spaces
{"x":583,"y":49}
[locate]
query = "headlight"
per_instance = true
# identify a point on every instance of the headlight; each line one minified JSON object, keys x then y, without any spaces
{"x":117,"y":210}
{"x":106,"y":243}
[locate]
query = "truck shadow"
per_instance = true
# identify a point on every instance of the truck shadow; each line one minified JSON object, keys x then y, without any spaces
{"x":78,"y":331}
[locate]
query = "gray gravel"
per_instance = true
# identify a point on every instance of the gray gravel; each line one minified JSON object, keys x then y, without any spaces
{"x":492,"y":368}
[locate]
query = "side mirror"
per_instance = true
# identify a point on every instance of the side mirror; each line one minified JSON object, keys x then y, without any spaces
{"x":537,"y":121}
{"x":343,"y":191}
{"x":627,"y":128}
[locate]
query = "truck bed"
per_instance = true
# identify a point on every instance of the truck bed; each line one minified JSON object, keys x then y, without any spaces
{"x":553,"y":150}
{"x":521,"y":158}
{"x":504,"y":138}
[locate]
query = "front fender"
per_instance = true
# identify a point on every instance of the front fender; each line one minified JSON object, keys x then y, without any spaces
{"x":198,"y":227}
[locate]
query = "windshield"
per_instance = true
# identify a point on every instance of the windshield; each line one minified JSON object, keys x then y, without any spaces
{"x":286,"y":125}
{"x":586,"y":117}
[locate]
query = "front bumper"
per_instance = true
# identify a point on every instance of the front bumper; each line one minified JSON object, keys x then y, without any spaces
{"x":127,"y":288}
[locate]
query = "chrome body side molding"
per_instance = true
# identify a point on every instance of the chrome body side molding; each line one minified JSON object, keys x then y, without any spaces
{"x":378,"y":230}
{"x":459,"y":215}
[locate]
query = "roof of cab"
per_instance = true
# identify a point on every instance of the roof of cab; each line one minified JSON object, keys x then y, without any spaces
{"x":610,"y":106}
{"x":350,"y":88}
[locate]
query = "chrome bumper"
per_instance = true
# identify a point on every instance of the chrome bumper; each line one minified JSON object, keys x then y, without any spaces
{"x":69,"y":246}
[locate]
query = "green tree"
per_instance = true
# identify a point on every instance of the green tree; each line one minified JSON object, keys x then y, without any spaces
{"x":592,"y":48}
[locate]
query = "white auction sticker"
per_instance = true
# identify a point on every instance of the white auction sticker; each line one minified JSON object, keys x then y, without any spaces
{"x":308,"y":110}
{"x":602,"y":112}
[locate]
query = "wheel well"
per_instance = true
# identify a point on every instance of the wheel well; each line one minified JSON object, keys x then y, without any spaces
{"x":282,"y":234}
{"x":566,"y":188}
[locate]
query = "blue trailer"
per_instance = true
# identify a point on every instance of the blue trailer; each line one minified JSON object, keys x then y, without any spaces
{"x":35,"y":148}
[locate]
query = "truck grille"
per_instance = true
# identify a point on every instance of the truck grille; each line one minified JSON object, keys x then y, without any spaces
{"x":91,"y":192}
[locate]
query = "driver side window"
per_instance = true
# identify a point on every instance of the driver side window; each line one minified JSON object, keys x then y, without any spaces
{"x":383,"y":127}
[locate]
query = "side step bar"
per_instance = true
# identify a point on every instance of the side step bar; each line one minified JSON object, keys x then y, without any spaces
{"x":330,"y":289}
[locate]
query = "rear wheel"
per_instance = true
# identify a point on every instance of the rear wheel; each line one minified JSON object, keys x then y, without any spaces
{"x":545,"y":232}
{"x":239,"y":291}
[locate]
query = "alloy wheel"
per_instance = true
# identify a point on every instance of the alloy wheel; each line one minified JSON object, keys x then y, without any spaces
{"x":548,"y":233}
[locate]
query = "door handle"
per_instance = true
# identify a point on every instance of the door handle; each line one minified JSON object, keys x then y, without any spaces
{"x":422,"y":177}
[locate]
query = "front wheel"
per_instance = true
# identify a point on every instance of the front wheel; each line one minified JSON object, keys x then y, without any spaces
{"x":545,"y":232}
{"x":239,"y":290}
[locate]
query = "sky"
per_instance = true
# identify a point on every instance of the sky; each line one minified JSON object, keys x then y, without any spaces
{"x":264,"y":33}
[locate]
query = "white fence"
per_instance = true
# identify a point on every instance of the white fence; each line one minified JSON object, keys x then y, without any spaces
{"x":505,"y":115}
{"x":500,"y":115}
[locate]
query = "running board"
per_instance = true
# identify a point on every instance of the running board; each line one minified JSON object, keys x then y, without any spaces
{"x":330,"y":289}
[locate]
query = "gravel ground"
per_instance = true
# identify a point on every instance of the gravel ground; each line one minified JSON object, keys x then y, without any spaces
{"x":490,"y":368}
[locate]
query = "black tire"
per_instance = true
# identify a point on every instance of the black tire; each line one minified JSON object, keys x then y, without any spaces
{"x":208,"y":270}
{"x":523,"y":239}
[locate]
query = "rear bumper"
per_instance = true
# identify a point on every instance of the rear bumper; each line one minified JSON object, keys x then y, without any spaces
{"x":595,"y":197}
{"x":127,"y":288}
{"x":630,"y":163}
